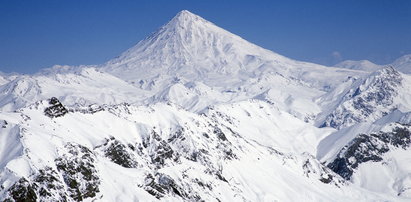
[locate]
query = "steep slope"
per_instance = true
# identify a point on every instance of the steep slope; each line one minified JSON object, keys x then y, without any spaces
{"x":189,"y":62}
{"x":194,"y":112}
{"x":376,"y":159}
{"x":368,"y":100}
{"x":160,"y":152}
{"x":189,"y":48}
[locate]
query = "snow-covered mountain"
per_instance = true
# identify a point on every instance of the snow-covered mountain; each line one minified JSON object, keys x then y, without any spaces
{"x":402,"y":64}
{"x":381,"y":93}
{"x":124,"y":152}
{"x":73,"y":85}
{"x":189,"y":48}
{"x":363,"y":65}
{"x":196,"y":113}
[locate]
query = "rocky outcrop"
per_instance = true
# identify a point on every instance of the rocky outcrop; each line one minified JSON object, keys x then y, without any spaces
{"x":119,"y":153}
{"x":79,"y":172}
{"x":56,"y":109}
{"x":314,"y":169}
{"x":371,"y":100}
{"x":44,"y":186}
{"x":369,"y":147}
{"x":161,"y":185}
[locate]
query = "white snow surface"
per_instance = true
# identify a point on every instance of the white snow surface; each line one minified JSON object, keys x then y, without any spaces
{"x":402,"y":64}
{"x":242,"y":122}
{"x":260,"y":171}
{"x":363,"y":65}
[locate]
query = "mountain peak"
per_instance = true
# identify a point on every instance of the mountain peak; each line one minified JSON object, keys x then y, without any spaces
{"x":185,"y":20}
{"x":184,"y":14}
{"x":188,"y":45}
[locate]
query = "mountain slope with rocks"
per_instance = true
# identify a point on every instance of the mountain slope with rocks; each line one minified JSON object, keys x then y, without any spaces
{"x":196,"y":113}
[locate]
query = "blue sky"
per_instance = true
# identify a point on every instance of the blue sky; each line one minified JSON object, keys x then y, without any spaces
{"x":39,"y":34}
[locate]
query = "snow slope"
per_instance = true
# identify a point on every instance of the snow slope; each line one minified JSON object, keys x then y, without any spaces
{"x":74,"y":85}
{"x":402,"y":64}
{"x":136,"y":153}
{"x":194,"y":112}
{"x":363,"y":65}
{"x":190,"y":48}
{"x":367,"y":100}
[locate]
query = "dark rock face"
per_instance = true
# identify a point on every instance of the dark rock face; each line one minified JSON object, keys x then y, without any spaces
{"x":91,"y":109}
{"x":56,"y":109}
{"x":161,"y":185}
{"x":159,"y":150}
{"x":369,"y":147}
{"x":22,"y":190}
{"x":79,"y":173}
{"x":220,"y":135}
{"x":373,"y":98}
{"x":119,"y":153}
{"x":44,"y":186}
{"x":76,"y":179}
{"x":49,"y":185}
{"x":314,"y":169}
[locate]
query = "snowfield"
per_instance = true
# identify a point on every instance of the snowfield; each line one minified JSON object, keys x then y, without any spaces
{"x":196,"y":113}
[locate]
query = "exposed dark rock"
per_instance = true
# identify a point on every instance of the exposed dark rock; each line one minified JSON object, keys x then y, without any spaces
{"x":119,"y":153}
{"x":203,"y":185}
{"x":220,"y":176}
{"x":177,"y":136}
{"x":5,"y":123}
{"x":206,"y":135}
{"x":56,"y":109}
{"x":44,"y":186}
{"x":91,"y":109}
{"x":219,"y":133}
{"x":163,"y":151}
{"x":159,"y":150}
{"x":216,"y":172}
{"x":161,"y":185}
{"x":79,"y":173}
{"x":314,"y":169}
{"x":22,"y":190}
{"x":369,"y":147}
{"x":373,"y":98}
{"x":49,"y":185}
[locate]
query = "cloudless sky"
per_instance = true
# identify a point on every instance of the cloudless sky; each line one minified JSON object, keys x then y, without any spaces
{"x":39,"y":34}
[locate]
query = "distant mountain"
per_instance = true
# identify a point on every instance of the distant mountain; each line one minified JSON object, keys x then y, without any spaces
{"x":196,"y":113}
{"x":191,"y":47}
{"x":363,"y":65}
{"x":402,"y":64}
{"x":381,"y":93}
{"x":191,"y":56}
{"x":73,"y":85}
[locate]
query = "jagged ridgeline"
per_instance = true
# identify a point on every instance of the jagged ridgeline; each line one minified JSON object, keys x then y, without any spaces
{"x":193,"y":161}
{"x":196,"y":113}
{"x":370,"y":147}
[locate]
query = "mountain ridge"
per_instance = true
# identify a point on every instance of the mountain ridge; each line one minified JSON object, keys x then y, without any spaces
{"x":194,"y":112}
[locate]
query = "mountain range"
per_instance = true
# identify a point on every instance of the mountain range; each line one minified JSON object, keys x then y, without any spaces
{"x":196,"y":113}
